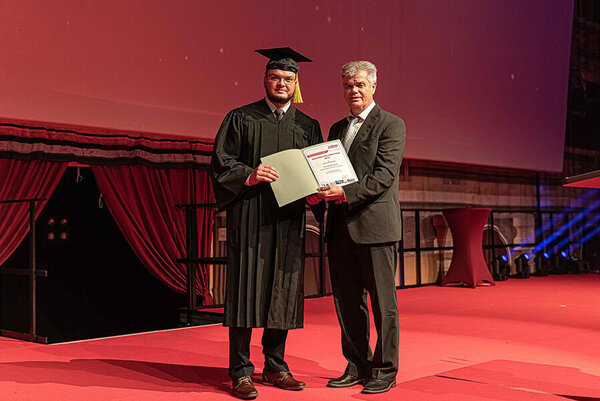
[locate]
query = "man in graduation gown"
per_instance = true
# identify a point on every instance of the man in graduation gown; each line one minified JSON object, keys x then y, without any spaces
{"x":265,"y":243}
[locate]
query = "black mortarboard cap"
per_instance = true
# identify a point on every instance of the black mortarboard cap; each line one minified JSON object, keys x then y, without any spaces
{"x":283,"y":58}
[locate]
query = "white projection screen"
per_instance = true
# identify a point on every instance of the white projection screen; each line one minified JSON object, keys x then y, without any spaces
{"x":477,"y":81}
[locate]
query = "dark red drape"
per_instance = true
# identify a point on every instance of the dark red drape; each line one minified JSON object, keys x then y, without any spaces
{"x":142,"y":201}
{"x":54,"y":142}
{"x":23,"y":179}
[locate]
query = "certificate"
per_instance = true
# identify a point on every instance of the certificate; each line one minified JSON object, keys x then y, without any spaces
{"x":302,"y":171}
{"x":330,"y":164}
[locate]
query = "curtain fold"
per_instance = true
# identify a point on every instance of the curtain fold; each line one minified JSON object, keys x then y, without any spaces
{"x":23,"y":179}
{"x":142,"y":201}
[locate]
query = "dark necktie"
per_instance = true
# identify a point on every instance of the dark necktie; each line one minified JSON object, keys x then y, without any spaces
{"x":279,"y":114}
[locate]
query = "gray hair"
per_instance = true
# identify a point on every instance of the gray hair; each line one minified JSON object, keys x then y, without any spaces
{"x":352,"y":68}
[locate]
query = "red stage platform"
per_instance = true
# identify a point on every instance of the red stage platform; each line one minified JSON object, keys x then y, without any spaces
{"x":534,"y":339}
{"x":587,"y":180}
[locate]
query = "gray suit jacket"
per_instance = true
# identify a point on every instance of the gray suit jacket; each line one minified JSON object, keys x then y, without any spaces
{"x":372,"y":213}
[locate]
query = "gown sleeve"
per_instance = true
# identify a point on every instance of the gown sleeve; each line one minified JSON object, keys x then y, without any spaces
{"x":227,"y":171}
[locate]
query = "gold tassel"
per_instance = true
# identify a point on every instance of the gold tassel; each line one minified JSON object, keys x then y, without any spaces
{"x":297,"y":94}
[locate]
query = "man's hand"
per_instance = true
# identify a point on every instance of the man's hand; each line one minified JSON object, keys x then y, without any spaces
{"x":332,"y":193}
{"x":263,"y":172}
{"x":313,"y":199}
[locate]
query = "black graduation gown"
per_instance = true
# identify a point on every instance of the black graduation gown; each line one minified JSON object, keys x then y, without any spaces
{"x":265,"y":243}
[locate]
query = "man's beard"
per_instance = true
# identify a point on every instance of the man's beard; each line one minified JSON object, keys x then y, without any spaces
{"x":279,"y":99}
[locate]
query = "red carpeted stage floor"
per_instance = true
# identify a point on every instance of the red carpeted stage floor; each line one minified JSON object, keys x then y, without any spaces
{"x":533,"y":339}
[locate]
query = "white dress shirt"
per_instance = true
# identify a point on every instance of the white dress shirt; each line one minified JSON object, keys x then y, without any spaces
{"x":355,"y":122}
{"x":273,"y":108}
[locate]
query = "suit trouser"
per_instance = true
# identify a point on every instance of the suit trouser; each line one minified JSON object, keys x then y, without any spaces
{"x":273,"y":343}
{"x":358,"y":269}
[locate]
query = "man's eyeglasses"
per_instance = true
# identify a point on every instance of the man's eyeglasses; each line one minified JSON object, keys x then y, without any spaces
{"x":286,"y":80}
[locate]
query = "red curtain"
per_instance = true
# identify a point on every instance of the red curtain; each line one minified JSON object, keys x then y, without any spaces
{"x":23,"y":179}
{"x":142,"y":201}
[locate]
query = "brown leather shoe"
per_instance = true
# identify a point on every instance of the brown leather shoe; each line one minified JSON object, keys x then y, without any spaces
{"x":283,"y":380}
{"x":243,"y":388}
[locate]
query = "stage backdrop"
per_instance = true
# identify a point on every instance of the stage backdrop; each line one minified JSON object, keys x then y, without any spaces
{"x":481,"y":82}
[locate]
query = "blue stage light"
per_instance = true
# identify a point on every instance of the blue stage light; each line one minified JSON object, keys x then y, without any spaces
{"x":564,"y":240}
{"x":500,"y":268}
{"x":559,"y":263}
{"x":522,"y":266}
{"x":542,"y":264}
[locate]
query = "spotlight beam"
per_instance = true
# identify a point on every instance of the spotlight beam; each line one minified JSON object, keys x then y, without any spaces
{"x":565,"y":241}
{"x":578,"y":217}
{"x":557,"y":233}
{"x":585,"y":239}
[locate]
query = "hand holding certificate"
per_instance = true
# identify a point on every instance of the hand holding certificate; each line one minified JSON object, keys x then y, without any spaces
{"x":302,"y":171}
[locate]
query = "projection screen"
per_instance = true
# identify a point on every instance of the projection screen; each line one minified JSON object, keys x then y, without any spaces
{"x":477,"y":81}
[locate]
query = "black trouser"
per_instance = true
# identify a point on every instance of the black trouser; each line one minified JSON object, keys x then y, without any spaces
{"x":358,"y":269}
{"x":273,"y":343}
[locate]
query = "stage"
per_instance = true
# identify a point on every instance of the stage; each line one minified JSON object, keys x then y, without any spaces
{"x":531,"y":339}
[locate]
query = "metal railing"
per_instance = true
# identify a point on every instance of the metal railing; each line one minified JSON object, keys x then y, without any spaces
{"x":32,"y":272}
{"x":537,"y":215}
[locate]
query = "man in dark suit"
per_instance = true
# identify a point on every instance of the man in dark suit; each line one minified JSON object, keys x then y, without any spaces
{"x":363,"y":227}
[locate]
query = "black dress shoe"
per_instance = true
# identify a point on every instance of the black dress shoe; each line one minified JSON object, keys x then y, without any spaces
{"x":375,"y":386}
{"x":346,"y":380}
{"x":244,"y":388}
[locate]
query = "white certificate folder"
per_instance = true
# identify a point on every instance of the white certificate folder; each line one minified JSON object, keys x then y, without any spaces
{"x":302,"y":171}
